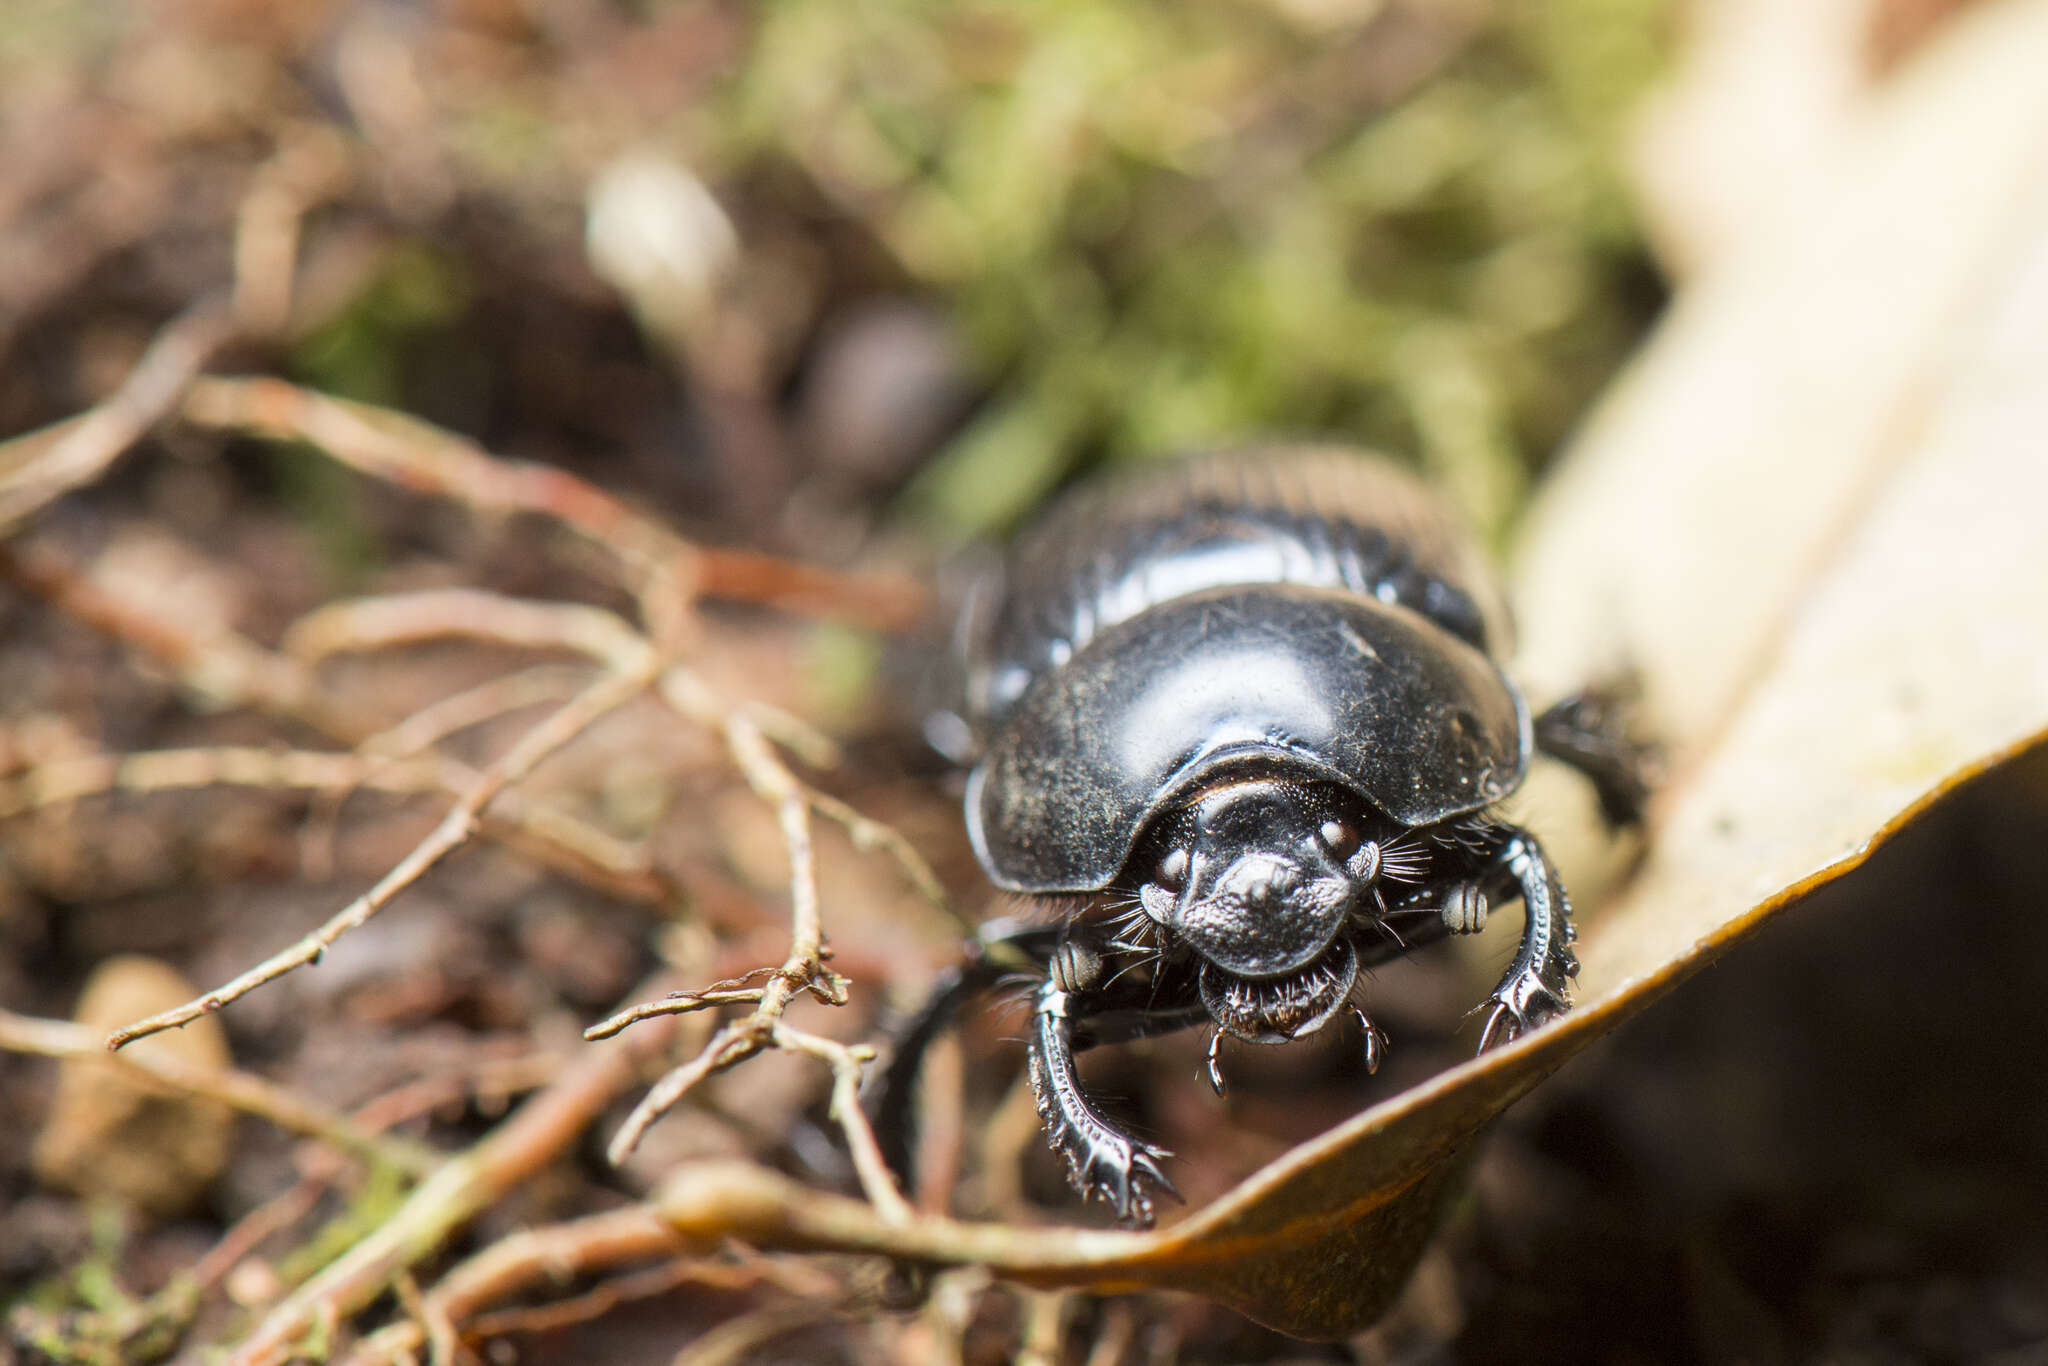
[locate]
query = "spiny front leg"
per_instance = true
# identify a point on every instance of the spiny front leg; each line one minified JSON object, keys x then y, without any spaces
{"x":1101,"y":1158}
{"x":1537,"y":986}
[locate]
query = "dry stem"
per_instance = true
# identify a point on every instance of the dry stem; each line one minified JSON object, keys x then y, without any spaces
{"x":69,"y":780}
{"x":665,"y":574}
{"x":39,"y":468}
{"x":738,"y":1337}
{"x":234,"y":670}
{"x":535,"y":1134}
{"x":455,"y":828}
{"x":416,"y":455}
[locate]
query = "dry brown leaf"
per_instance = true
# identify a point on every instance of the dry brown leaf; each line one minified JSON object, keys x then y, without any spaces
{"x":1814,"y":519}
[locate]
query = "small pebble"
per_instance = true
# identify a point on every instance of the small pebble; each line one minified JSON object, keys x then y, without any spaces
{"x":110,"y":1135}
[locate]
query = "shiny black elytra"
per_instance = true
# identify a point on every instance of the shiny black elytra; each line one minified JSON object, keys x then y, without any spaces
{"x":1239,"y":724}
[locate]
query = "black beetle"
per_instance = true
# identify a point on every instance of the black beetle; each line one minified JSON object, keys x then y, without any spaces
{"x":1241,"y":721}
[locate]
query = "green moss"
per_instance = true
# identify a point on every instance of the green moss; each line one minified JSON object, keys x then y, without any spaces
{"x":1171,"y":224}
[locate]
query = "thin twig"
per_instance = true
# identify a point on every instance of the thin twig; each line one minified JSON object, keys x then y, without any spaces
{"x":868,"y":833}
{"x":868,"y":1163}
{"x":63,"y":781}
{"x":549,"y":1256}
{"x":1045,"y":1313}
{"x":420,"y":733}
{"x":804,"y":968}
{"x":419,"y":456}
{"x":605,"y":1297}
{"x":681,"y":1003}
{"x":492,"y":1082}
{"x":470,"y":613}
{"x":1113,"y":1338}
{"x":236,"y":671}
{"x":535,"y":1134}
{"x":802,"y":971}
{"x":273,"y":1216}
{"x":696,"y":700}
{"x":732,"y":991}
{"x":668,"y":572}
{"x":564,"y":725}
{"x":311,"y":164}
{"x":732,"y":1044}
{"x":43,"y":466}
{"x":737,"y":1337}
{"x":439,"y":1333}
{"x":237,"y":1089}
{"x":219,"y":664}
{"x":487,"y":701}
{"x":881,"y":602}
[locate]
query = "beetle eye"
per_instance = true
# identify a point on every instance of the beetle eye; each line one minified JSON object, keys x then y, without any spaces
{"x":1172,"y":872}
{"x":1340,"y":838}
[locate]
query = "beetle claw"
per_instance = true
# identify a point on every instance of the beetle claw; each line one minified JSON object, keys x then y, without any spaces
{"x":1117,"y":1169}
{"x":1150,"y":1170}
{"x":1496,"y":1031}
{"x":1521,"y":1003}
{"x":1215,"y":1062}
{"x":1375,"y":1041}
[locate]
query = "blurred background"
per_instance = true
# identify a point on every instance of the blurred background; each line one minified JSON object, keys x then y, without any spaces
{"x":820,"y":260}
{"x":860,"y":283}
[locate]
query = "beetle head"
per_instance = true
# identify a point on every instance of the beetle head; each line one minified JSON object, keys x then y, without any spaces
{"x":1261,"y":876}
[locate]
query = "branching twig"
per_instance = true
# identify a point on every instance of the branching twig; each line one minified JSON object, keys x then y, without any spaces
{"x":746,"y":737}
{"x":41,"y":467}
{"x":875,"y":1178}
{"x":236,"y":671}
{"x":69,"y":780}
{"x":543,"y":1258}
{"x":667,"y":572}
{"x":453,"y":831}
{"x":732,"y":991}
{"x":534,"y":1135}
{"x":416,"y":455}
{"x":732,"y":1044}
{"x":804,"y":968}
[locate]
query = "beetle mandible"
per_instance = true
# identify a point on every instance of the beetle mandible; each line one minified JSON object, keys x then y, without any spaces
{"x":1239,"y":724}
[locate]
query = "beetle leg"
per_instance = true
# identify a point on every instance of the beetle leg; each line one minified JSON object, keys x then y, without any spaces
{"x":1101,"y":1158}
{"x":1537,"y":985}
{"x":1003,"y":947}
{"x":1590,"y":731}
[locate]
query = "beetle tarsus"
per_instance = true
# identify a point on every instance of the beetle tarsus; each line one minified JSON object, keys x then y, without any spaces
{"x":1537,"y":986}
